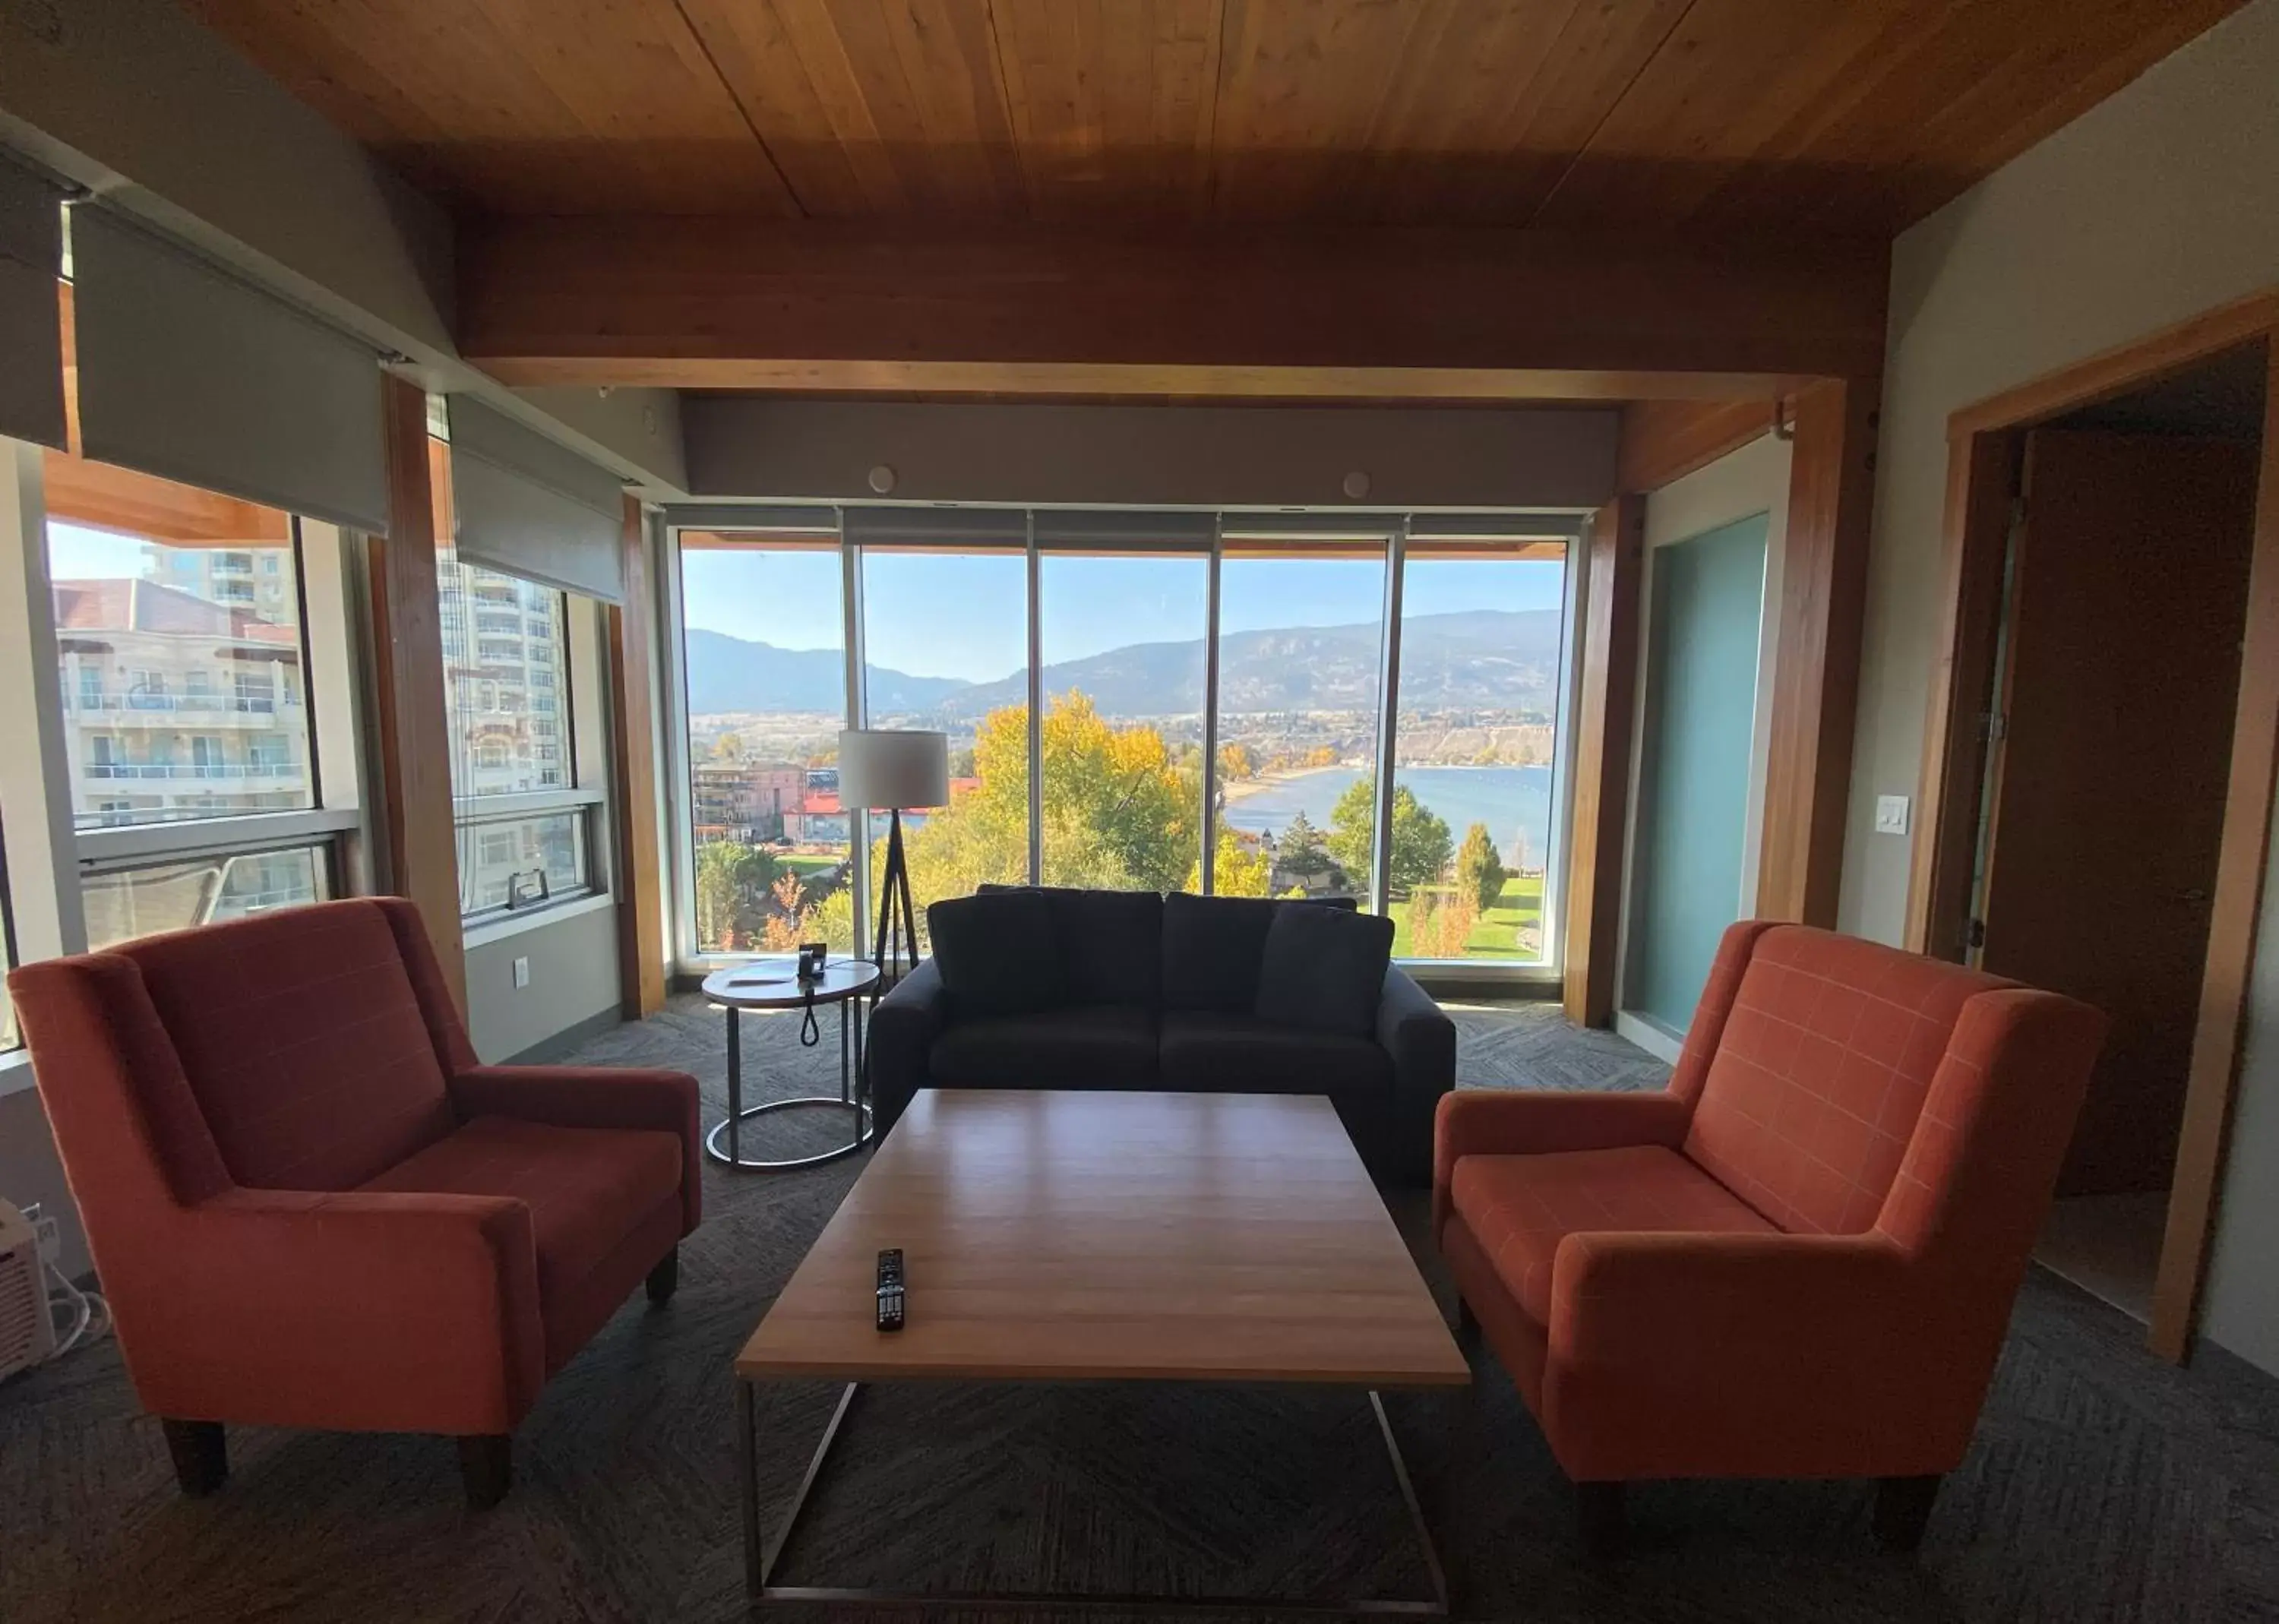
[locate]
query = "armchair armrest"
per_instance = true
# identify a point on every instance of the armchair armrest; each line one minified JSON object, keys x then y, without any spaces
{"x":596,"y":1097}
{"x":1422,"y":1040}
{"x":366,"y":1310}
{"x":1744,"y":1355}
{"x":903,"y":1027}
{"x":1524,"y":1122}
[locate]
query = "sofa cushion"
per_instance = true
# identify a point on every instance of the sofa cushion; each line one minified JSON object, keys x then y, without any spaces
{"x":1212,"y":947}
{"x":1519,"y":1209}
{"x":1110,"y":943}
{"x":587,"y":1188}
{"x":1324,"y":969}
{"x":1214,"y":1051}
{"x":1090,"y":1045}
{"x":302,"y":1042}
{"x":997,"y":952}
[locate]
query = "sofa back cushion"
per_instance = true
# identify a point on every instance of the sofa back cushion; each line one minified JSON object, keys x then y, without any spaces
{"x":1110,"y":943}
{"x":1812,"y":1095}
{"x":999,"y":952}
{"x":302,"y":1043}
{"x":1324,"y":969}
{"x":1213,"y":946}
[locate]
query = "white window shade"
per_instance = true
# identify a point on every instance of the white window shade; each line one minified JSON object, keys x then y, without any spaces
{"x":190,"y":373}
{"x":31,"y":317}
{"x":523,"y":504}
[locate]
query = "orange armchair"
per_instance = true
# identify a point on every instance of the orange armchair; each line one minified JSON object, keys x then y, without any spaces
{"x":1797,"y":1262}
{"x":309,"y":1206}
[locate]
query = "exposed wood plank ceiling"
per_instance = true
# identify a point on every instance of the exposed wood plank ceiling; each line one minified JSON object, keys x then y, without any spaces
{"x":1836,"y":114}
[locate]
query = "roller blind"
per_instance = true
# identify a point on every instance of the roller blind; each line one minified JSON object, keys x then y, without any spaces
{"x":1125,"y":530}
{"x":31,"y":318}
{"x":531,"y":508}
{"x":187,"y":373}
{"x":945,"y":527}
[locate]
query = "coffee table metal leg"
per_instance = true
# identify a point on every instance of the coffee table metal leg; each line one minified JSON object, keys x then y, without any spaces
{"x":747,"y":1454}
{"x":760,"y":1561}
{"x":858,"y":1131}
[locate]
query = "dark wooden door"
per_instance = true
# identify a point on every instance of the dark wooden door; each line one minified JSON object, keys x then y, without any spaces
{"x":2128,"y":601}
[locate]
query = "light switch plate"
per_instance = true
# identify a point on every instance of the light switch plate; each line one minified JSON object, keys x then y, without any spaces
{"x":1892,"y":815}
{"x":522,"y":972}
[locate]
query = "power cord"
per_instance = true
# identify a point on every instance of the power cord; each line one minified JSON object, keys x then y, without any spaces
{"x":89,"y":1313}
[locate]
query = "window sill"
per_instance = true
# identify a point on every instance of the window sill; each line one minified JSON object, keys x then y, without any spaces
{"x":16,"y":1072}
{"x":499,"y":928}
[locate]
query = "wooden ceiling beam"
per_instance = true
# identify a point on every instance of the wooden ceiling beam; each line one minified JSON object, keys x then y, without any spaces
{"x":820,"y":305}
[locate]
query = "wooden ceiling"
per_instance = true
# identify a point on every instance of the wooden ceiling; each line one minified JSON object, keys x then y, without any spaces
{"x":1837,"y":114}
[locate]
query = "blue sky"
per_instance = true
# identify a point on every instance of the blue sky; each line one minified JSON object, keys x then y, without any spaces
{"x":79,"y":554}
{"x":963,"y":616}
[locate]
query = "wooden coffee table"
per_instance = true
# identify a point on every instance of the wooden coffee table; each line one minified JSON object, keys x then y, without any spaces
{"x":1087,"y":1237}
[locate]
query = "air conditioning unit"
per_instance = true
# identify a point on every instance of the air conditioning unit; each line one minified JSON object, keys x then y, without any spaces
{"x":27,"y":1330}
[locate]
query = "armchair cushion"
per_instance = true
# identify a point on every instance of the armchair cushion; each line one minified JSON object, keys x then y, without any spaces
{"x":1520,"y":1208}
{"x":593,"y":1096}
{"x":302,"y":1039}
{"x":587,"y":1188}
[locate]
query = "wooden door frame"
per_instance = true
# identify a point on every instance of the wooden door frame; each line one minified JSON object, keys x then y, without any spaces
{"x":1985,"y":448}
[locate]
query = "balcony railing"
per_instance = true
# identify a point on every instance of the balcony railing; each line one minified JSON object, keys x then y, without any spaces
{"x":199,"y":704}
{"x":180,"y":771}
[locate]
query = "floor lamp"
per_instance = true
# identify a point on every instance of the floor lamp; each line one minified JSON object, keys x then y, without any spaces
{"x":883,"y":771}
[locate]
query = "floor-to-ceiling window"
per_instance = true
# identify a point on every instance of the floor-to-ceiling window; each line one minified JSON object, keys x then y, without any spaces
{"x":1301,"y":673}
{"x":765,"y":669}
{"x":945,"y":625}
{"x":1125,"y":663}
{"x":1482,"y":626}
{"x":1136,"y":623}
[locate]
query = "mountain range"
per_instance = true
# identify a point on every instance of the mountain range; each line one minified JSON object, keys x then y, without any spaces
{"x":1473,"y":660}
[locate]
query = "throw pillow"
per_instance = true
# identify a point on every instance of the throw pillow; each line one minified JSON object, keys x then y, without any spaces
{"x":1324,"y":969}
{"x":997,"y":952}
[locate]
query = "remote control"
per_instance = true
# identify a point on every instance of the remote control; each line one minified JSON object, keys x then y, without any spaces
{"x":890,"y":1288}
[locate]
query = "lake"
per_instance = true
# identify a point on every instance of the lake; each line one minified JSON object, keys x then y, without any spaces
{"x":1514,"y":803}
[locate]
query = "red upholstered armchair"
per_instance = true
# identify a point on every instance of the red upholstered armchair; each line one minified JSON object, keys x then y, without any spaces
{"x":1797,"y":1262}
{"x":309,"y":1206}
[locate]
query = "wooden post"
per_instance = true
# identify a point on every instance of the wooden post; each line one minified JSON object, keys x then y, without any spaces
{"x":412,"y":722}
{"x":632,"y":778}
{"x":1602,"y":758}
{"x":1816,"y":663}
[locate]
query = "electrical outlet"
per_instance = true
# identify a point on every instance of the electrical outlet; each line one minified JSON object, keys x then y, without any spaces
{"x":1892,"y":815}
{"x":521,"y":973}
{"x":50,"y":1238}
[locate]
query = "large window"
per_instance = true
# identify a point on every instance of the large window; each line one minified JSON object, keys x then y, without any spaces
{"x":1124,"y":658}
{"x":125,"y":903}
{"x":1300,"y":662}
{"x":183,"y":692}
{"x":766,"y":656}
{"x":523,"y":822}
{"x":1118,"y":612}
{"x":946,"y":647}
{"x":1481,"y":644}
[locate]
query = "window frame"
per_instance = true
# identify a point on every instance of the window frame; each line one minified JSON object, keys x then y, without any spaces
{"x":1390,"y":532}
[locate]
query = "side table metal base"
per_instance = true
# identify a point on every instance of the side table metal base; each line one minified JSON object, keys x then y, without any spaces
{"x":786,"y":1164}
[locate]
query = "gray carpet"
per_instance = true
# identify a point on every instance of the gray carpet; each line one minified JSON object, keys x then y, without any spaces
{"x":2103,"y":1484}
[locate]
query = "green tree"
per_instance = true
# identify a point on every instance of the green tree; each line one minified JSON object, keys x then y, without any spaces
{"x":1299,"y":850}
{"x":731,"y":891}
{"x":1422,"y":846}
{"x":1479,"y":870}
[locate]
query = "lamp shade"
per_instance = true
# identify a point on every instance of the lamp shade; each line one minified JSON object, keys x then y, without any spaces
{"x":883,"y":771}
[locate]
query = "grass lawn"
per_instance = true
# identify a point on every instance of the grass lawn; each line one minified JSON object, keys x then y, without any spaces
{"x":1496,"y":936}
{"x":803,"y":866}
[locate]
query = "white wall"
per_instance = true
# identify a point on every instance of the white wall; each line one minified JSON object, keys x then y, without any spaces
{"x":2159,"y":203}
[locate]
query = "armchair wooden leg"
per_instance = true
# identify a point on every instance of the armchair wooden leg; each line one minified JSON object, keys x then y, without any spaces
{"x":1903,"y":1510}
{"x":664,"y":1279}
{"x":201,"y":1454}
{"x":1467,"y":1324}
{"x":486,"y":1469}
{"x":1602,"y":1519}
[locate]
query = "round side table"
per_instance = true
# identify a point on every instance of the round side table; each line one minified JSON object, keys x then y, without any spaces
{"x":775,"y":985}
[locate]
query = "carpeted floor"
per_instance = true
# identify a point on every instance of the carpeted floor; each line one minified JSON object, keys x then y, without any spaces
{"x":2103,"y":1484}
